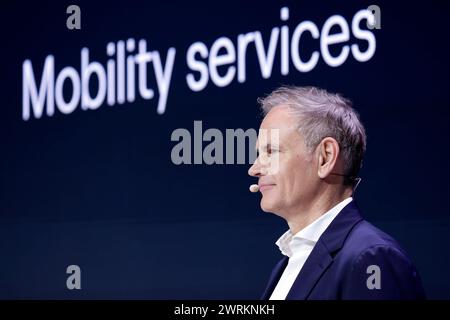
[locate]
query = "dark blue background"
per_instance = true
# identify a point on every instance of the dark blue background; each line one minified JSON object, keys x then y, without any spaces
{"x":98,"y":188}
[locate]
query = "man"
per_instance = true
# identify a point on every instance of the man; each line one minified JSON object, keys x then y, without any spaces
{"x":307,"y":173}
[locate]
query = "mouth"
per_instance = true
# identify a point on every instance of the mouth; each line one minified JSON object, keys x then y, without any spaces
{"x":263,"y":187}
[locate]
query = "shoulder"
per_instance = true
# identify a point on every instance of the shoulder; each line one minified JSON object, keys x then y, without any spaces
{"x":365,"y":238}
{"x":367,"y":245}
{"x":371,"y":253}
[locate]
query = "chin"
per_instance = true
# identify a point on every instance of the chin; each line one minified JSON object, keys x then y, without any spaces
{"x":269,"y":206}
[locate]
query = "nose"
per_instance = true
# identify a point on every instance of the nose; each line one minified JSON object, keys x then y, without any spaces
{"x":255,"y":170}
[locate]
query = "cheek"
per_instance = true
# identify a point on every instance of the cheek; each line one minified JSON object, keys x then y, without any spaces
{"x":287,"y":175}
{"x":298,"y":173}
{"x":274,"y":165}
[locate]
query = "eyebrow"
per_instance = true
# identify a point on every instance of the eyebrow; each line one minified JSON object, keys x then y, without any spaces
{"x":269,"y":146}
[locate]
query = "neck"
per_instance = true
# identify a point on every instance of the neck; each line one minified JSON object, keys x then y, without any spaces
{"x":302,"y":216}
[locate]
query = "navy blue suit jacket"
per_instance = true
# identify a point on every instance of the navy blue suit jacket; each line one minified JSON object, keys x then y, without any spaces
{"x":339,"y":266}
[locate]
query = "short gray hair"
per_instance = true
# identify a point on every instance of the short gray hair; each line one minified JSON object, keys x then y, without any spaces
{"x":323,"y":114}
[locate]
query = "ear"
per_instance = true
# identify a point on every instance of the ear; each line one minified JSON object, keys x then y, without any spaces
{"x":328,"y":152}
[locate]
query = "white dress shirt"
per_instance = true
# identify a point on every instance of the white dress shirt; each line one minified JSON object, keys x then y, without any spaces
{"x":299,"y":246}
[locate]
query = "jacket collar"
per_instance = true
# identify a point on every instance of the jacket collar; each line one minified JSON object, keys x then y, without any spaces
{"x":324,"y":251}
{"x":321,"y":256}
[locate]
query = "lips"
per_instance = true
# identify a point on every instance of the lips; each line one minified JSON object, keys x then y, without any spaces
{"x":265,"y":186}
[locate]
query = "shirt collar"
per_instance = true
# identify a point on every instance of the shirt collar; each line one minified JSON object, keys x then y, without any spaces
{"x":289,"y":243}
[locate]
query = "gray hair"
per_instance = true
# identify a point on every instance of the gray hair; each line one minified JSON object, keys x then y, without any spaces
{"x":323,"y":114}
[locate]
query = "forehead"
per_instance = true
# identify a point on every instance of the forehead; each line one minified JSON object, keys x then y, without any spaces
{"x":279,"y":126}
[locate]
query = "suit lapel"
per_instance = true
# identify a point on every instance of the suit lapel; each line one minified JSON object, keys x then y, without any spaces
{"x":274,"y":277}
{"x":314,"y":266}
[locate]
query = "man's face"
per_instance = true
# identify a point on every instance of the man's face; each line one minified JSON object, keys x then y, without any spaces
{"x":286,"y":170}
